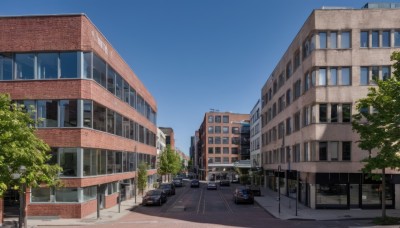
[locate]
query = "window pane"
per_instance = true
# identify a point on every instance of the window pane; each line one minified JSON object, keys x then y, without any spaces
{"x":68,"y":113}
{"x":346,"y":76}
{"x":375,"y":39}
{"x":110,"y":162}
{"x":110,"y":121}
{"x":87,"y":113}
{"x":334,"y":150}
{"x":125,"y":127}
{"x":6,"y":67}
{"x":111,"y":80}
{"x":345,"y":40}
{"x":386,"y":39}
{"x":322,"y":112}
{"x":68,"y":162}
{"x":322,"y":40}
{"x":125,"y":94}
{"x":333,"y":76}
{"x":323,"y":151}
{"x":40,"y":195}
{"x":346,"y":112}
{"x":225,"y":130}
{"x":47,"y":111}
{"x":88,"y":168}
{"x":87,"y":65}
{"x":322,"y":77}
{"x":99,"y":70}
{"x":210,"y":119}
{"x":47,"y":65}
{"x":69,"y":64}
{"x":346,"y":151}
{"x":118,"y":86}
{"x":225,"y":119}
{"x":101,"y":161}
{"x":99,"y":117}
{"x":132,"y":97}
{"x":375,"y":73}
{"x":25,"y":66}
{"x":67,"y":195}
{"x":385,"y":73}
{"x":118,"y":124}
{"x":89,"y":193}
{"x":334,"y":113}
{"x":364,"y":41}
{"x":397,"y":38}
{"x":333,"y":41}
{"x":364,"y":77}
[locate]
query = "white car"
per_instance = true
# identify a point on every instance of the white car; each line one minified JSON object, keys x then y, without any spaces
{"x":212,"y":185}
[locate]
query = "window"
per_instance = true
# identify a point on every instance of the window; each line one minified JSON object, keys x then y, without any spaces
{"x":210,"y":160}
{"x":289,"y":70}
{"x":110,"y":121}
{"x":225,"y":140}
{"x":225,"y":119}
{"x":364,"y":76}
{"x":6,"y":67}
{"x":306,"y":156}
{"x":288,"y":97}
{"x":333,"y":41}
{"x":217,"y":150}
{"x":235,"y":150}
{"x":296,"y":153}
{"x":297,"y":89}
{"x":235,"y":130}
{"x":87,"y":113}
{"x":322,"y":40}
{"x":217,"y":119}
{"x":110,"y":162}
{"x":385,"y":73}
{"x":288,"y":126}
{"x":89,"y":193}
{"x":273,"y":110}
{"x":48,"y":112}
{"x":66,"y":195}
{"x":323,"y":151}
{"x":132,"y":97}
{"x":281,"y":80}
{"x":118,"y":124}
{"x":210,"y":129}
{"x":118,"y":87}
{"x":375,"y":39}
{"x":345,"y":40}
{"x":275,"y":87}
{"x":297,"y":121}
{"x":397,"y":38}
{"x":225,"y":160}
{"x":334,"y":150}
{"x":99,"y":70}
{"x":89,"y":162}
{"x":125,"y":94}
{"x":346,"y":151}
{"x":225,"y":130}
{"x":217,"y":129}
{"x":386,"y":39}
{"x":217,"y":159}
{"x":323,"y":108}
{"x":210,"y":150}
{"x":346,"y":113}
{"x":99,"y":117}
{"x":125,"y":127}
{"x":281,"y":130}
{"x":217,"y":140}
{"x":306,"y":81}
{"x":211,"y":119}
{"x":69,"y":161}
{"x":40,"y":194}
{"x":25,"y":64}
{"x":346,"y":77}
{"x":235,"y":140}
{"x":281,"y":103}
{"x":111,"y":80}
{"x":322,"y":77}
{"x":375,"y":73}
{"x":296,"y":59}
{"x":334,"y":113}
{"x":210,"y":140}
{"x":47,"y":65}
{"x":225,"y":150}
{"x":69,"y":64}
{"x":364,"y":39}
{"x":68,"y":113}
{"x":306,"y":116}
{"x":333,"y":76}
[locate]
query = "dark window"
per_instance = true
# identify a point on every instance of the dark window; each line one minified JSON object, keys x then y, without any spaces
{"x":386,"y":39}
{"x":288,"y":70}
{"x":217,"y":119}
{"x":47,"y":65}
{"x":68,"y":161}
{"x":217,"y":140}
{"x":385,"y":73}
{"x":296,"y":59}
{"x":25,"y":66}
{"x":297,"y":121}
{"x":125,"y":127}
{"x":99,"y":117}
{"x":110,"y":121}
{"x":111,"y":80}
{"x":217,"y":150}
{"x":346,"y":113}
{"x":110,"y":162}
{"x":235,"y":130}
{"x":323,"y":108}
{"x":225,"y":150}
{"x":235,"y":150}
{"x":334,"y":113}
{"x":132,"y":97}
{"x":210,"y":140}
{"x":69,"y":64}
{"x":322,"y":40}
{"x":225,"y":119}
{"x":323,"y":156}
{"x":346,"y":151}
{"x":217,"y":129}
{"x":118,"y":124}
{"x":6,"y":67}
{"x":68,"y":113}
{"x":118,"y":86}
{"x":364,"y":39}
{"x":125,"y":94}
{"x":99,"y":70}
{"x":288,"y":97}
{"x":87,"y":64}
{"x":397,"y":38}
{"x":48,"y":112}
{"x":87,"y":113}
{"x":375,"y":39}
{"x":210,"y":150}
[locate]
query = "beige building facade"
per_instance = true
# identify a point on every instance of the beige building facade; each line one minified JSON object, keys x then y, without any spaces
{"x":308,"y":100}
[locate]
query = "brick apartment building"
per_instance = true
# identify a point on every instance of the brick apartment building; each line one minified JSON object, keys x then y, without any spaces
{"x":221,"y":143}
{"x":98,"y":118}
{"x":308,"y":101}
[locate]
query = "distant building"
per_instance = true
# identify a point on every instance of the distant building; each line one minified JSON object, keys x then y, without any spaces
{"x":308,"y":102}
{"x":221,"y":143}
{"x":255,"y":135}
{"x":169,"y":136}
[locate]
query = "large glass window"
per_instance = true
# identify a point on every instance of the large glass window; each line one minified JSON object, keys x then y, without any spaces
{"x":345,"y":40}
{"x":110,"y":121}
{"x":69,"y":64}
{"x":6,"y":68}
{"x":375,"y":39}
{"x":385,"y":73}
{"x":68,"y":162}
{"x":334,"y":113}
{"x":118,"y":162}
{"x":67,"y":195}
{"x":334,"y":195}
{"x":333,"y":40}
{"x":99,"y":117}
{"x":132,"y":97}
{"x":364,"y":76}
{"x":323,"y":110}
{"x":125,"y":94}
{"x":111,"y":80}
{"x":322,"y":40}
{"x":87,"y":64}
{"x":99,"y":71}
{"x":25,"y":64}
{"x":364,"y":39}
{"x":225,"y":130}
{"x":40,"y":194}
{"x":89,"y":162}
{"x":346,"y":113}
{"x":322,"y":77}
{"x":68,"y":113}
{"x":397,"y":38}
{"x":87,"y":113}
{"x":47,"y":113}
{"x":333,"y":76}
{"x":110,"y":162}
{"x":118,"y":87}
{"x":346,"y":151}
{"x":47,"y":65}
{"x":225,"y":119}
{"x":386,"y":39}
{"x":346,"y":76}
{"x":89,"y":193}
{"x":101,"y":161}
{"x":323,"y":152}
{"x":118,"y":124}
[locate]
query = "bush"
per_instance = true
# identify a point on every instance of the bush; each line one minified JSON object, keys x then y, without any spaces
{"x":386,"y":221}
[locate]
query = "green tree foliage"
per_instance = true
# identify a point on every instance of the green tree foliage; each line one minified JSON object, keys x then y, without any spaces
{"x":142,"y":176}
{"x":20,"y":147}
{"x":169,"y":162}
{"x":379,"y":129}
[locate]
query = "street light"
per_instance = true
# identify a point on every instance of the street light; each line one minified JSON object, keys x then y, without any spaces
{"x":22,"y":213}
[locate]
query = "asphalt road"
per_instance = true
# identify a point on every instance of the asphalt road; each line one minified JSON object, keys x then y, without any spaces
{"x":199,"y":207}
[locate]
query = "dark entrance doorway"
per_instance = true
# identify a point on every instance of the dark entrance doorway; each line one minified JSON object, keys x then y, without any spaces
{"x":11,"y":203}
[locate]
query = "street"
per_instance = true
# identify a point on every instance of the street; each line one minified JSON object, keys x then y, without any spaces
{"x":199,"y":207}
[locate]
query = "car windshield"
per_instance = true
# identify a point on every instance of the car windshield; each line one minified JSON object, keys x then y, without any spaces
{"x":153,"y":193}
{"x":245,"y":191}
{"x":164,"y":186}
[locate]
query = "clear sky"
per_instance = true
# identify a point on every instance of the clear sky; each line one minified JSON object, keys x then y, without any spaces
{"x":193,"y":55}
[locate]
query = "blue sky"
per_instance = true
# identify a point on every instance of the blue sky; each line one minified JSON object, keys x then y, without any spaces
{"x":193,"y":55}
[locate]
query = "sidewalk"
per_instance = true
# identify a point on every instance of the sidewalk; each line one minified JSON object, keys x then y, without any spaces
{"x":269,"y":201}
{"x":106,"y":215}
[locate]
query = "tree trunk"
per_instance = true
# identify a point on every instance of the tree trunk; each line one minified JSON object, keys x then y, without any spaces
{"x":383,"y":194}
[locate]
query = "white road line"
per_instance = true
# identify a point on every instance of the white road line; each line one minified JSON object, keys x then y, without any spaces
{"x":199,"y":203}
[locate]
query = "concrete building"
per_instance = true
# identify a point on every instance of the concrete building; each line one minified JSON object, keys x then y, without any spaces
{"x":98,"y":117}
{"x":308,"y":101}
{"x":219,"y":144}
{"x":169,"y":136}
{"x":255,"y":135}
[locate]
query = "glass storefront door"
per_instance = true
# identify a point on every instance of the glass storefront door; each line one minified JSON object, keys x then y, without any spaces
{"x":354,"y":194}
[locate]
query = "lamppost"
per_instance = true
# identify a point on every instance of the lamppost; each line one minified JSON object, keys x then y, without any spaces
{"x":22,"y":213}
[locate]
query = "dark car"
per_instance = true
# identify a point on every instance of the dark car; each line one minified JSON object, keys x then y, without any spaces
{"x":154,"y":197}
{"x":211,"y":185}
{"x":224,"y":182}
{"x":168,"y":188}
{"x":178,"y":182}
{"x":194,"y":183}
{"x":243,"y":195}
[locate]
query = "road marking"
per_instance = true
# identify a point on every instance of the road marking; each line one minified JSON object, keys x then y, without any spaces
{"x":199,"y":203}
{"x":226,"y":203}
{"x":179,"y":199}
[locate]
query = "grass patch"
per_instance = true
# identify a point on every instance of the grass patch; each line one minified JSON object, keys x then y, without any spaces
{"x":386,"y":221}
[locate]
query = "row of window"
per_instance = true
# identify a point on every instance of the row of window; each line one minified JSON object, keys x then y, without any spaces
{"x":224,"y":160}
{"x":82,"y":162}
{"x":379,"y":38}
{"x":225,"y":130}
{"x":310,"y":152}
{"x":318,"y":113}
{"x":59,"y":65}
{"x":255,"y":144}
{"x":86,"y":113}
{"x":224,"y":150}
{"x":223,"y":140}
{"x":217,"y":119}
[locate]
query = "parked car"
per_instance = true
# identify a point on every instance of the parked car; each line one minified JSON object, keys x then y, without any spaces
{"x":178,"y":182}
{"x":194,"y":183}
{"x":169,"y":188}
{"x":243,"y":195}
{"x":224,"y":182}
{"x":154,"y":197}
{"x":256,"y":190}
{"x":212,"y":185}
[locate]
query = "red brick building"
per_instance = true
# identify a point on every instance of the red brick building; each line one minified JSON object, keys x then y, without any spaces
{"x":98,"y":117}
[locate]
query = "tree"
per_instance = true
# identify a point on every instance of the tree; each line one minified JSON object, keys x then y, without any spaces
{"x":168,"y":162}
{"x":379,"y":130}
{"x":20,"y":147}
{"x":142,"y":176}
